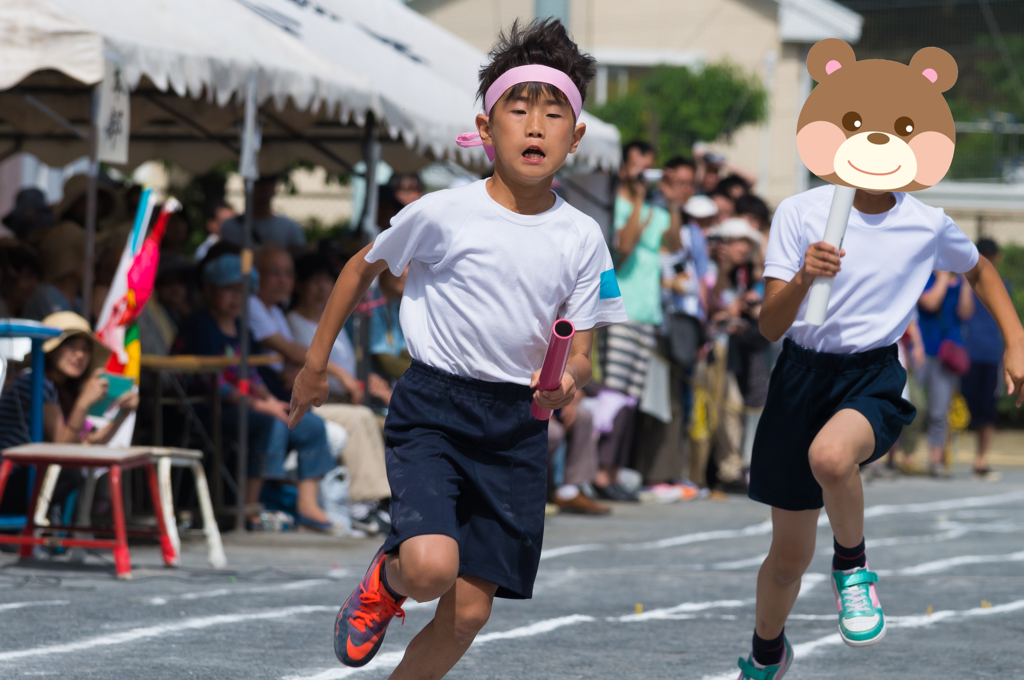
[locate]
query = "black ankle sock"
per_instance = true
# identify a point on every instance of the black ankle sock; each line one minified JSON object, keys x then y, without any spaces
{"x":769,"y":652}
{"x":384,"y":580}
{"x":848,"y":558}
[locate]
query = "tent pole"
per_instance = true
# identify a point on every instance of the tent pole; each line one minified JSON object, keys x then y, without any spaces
{"x":249,"y":172}
{"x":368,"y":231}
{"x":89,"y":265}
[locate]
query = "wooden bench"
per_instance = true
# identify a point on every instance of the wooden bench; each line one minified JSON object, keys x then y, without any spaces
{"x":83,"y":456}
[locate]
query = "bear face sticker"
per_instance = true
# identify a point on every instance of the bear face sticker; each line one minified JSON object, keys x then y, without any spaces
{"x":877,"y":124}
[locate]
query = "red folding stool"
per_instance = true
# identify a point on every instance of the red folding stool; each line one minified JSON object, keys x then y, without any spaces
{"x":85,"y":456}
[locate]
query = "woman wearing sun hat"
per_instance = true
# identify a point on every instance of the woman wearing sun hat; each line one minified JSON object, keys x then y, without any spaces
{"x":72,"y":385}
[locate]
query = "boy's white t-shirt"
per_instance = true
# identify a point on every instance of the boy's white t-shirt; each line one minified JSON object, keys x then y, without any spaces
{"x":486,"y":284}
{"x":888,"y":260}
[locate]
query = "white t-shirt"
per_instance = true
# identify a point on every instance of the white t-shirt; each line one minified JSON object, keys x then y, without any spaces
{"x":342,"y":352}
{"x":265,"y":322}
{"x":888,"y":260}
{"x":486,"y":284}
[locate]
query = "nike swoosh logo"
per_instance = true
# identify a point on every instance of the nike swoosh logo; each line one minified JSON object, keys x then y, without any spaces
{"x":362,"y":650}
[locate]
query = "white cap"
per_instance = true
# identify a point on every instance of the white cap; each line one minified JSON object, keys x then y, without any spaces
{"x":700,"y":206}
{"x":737,"y":227}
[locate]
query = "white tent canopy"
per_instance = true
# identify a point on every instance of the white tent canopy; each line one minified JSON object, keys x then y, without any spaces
{"x":459,"y":63}
{"x":322,"y":65}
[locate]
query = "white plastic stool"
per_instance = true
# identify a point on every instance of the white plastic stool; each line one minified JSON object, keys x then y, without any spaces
{"x":166,"y":458}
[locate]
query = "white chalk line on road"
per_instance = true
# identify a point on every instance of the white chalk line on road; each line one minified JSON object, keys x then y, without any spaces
{"x":38,"y":603}
{"x":221,"y":592}
{"x":764,"y":528}
{"x":951,"y":562}
{"x":135,"y":634}
{"x":391,"y":659}
{"x":921,"y":621}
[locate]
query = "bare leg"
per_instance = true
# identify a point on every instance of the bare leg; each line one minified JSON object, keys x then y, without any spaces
{"x":985,"y":433}
{"x":307,"y":504}
{"x":425,"y":567}
{"x":836,"y":453}
{"x":460,"y":615}
{"x":778,"y":582}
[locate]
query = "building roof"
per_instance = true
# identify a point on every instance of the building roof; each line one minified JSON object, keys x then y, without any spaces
{"x":808,"y":21}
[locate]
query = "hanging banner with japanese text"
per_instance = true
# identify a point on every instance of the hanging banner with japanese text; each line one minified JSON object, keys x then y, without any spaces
{"x":114,"y":116}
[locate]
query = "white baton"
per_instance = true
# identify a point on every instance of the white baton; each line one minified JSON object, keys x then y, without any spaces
{"x":835,"y":230}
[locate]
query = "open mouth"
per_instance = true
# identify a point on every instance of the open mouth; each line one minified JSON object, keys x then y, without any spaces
{"x":876,"y":174}
{"x":534,"y":154}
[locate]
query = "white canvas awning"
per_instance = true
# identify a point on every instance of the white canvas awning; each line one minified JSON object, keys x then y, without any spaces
{"x":322,"y":65}
{"x":459,"y":63}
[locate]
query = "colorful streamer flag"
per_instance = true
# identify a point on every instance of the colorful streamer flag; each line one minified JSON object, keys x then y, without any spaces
{"x":132,"y":287}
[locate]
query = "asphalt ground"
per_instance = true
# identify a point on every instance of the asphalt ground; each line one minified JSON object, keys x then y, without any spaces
{"x":650,"y":592}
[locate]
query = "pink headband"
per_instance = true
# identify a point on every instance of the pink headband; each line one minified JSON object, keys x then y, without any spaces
{"x":532,"y":73}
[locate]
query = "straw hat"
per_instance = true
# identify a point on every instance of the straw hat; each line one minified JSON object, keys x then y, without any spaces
{"x":72,"y":324}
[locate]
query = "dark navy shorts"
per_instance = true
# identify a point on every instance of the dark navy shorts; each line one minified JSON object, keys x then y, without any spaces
{"x":466,"y":459}
{"x":807,"y":388}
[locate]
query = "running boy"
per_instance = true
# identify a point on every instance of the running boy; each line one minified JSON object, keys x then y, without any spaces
{"x":492,"y":265}
{"x":834,"y":401}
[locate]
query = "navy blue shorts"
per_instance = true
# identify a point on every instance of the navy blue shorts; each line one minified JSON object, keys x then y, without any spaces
{"x":466,"y":459}
{"x":979,"y":390}
{"x":807,"y":388}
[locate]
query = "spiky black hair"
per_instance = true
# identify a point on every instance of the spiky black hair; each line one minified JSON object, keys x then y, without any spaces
{"x":544,"y":42}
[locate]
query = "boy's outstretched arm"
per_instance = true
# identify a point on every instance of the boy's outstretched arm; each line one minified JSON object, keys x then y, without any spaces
{"x":310,"y":387}
{"x":985,"y":281}
{"x":782,"y":299}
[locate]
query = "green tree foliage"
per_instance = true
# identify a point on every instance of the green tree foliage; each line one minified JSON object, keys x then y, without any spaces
{"x":676,"y":106}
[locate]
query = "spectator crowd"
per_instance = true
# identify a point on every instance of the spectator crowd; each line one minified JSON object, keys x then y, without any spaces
{"x":677,"y":391}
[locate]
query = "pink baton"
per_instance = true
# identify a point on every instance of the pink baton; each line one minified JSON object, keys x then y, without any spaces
{"x":555,"y":359}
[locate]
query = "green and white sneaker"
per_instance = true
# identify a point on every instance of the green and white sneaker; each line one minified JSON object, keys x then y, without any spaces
{"x":861,"y":621}
{"x":750,"y":671}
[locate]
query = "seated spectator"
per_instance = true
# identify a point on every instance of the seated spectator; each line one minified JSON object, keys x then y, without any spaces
{"x":19,"y":277}
{"x":61,"y":254}
{"x":574,"y":425}
{"x":31,"y":212}
{"x":216,"y":215}
{"x":168,"y":306}
{"x":364,"y":452}
{"x":270,"y":328}
{"x":266,"y":226}
{"x":71,"y":386}
{"x":216,"y":331}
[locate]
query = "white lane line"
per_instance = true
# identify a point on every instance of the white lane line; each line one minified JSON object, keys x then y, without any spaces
{"x":949,"y":563}
{"x":680,"y":611}
{"x":809,"y":582}
{"x":741,"y":564}
{"x":135,"y":634}
{"x":702,"y":537}
{"x":221,"y":592}
{"x":921,"y":621}
{"x":391,"y":659}
{"x":571,"y":549}
{"x":766,"y":527}
{"x":40,"y":603}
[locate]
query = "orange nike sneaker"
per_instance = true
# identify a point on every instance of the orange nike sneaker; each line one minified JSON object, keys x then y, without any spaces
{"x":363,"y":620}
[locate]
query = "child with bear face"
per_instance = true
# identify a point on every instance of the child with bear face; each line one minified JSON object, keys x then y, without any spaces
{"x":834,"y":402}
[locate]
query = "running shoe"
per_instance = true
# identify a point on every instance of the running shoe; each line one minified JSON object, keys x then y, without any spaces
{"x":363,"y":620}
{"x":750,"y":671}
{"x":861,"y":621}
